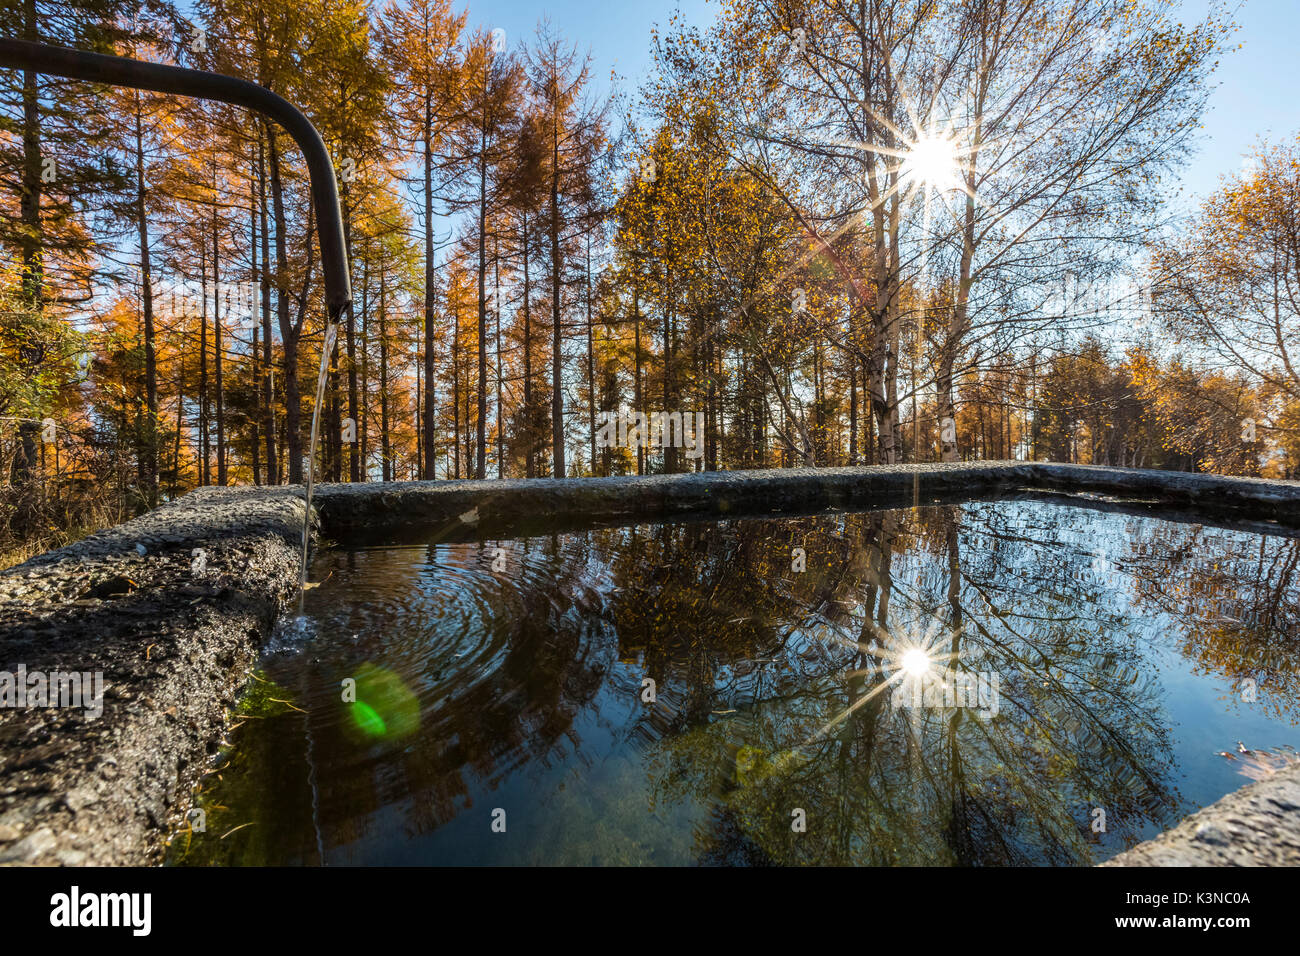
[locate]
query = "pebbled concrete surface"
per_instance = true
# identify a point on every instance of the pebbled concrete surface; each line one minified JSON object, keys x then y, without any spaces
{"x":176,"y":645}
{"x":1258,"y":825}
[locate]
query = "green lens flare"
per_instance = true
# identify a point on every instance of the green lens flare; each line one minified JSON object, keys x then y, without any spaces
{"x":385,"y":707}
{"x":368,"y":720}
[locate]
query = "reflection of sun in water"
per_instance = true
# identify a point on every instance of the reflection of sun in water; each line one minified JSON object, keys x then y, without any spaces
{"x":906,"y":664}
{"x":915,"y":662}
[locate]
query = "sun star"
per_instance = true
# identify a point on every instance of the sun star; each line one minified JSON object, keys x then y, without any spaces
{"x":931,"y":162}
{"x":915,"y":662}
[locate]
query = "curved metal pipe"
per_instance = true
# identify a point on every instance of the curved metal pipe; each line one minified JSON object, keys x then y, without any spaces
{"x":121,"y":71}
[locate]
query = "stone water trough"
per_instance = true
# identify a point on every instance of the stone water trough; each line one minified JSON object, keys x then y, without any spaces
{"x":173,"y":608}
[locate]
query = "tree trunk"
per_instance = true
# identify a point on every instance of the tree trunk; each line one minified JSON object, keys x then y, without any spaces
{"x":217,"y":348}
{"x":670,"y":453}
{"x":480,"y":428}
{"x":496,"y":309}
{"x":557,"y":355}
{"x":289,"y":334}
{"x":591,"y":364}
{"x":33,"y":280}
{"x":430,"y":372}
{"x":636,"y":385}
{"x":252,"y":320}
{"x":363,"y":424}
{"x":150,"y":451}
{"x":354,"y":460}
{"x":205,"y":477}
{"x":530,"y":451}
{"x":455,"y":385}
{"x":268,"y":365}
{"x":386,"y":449}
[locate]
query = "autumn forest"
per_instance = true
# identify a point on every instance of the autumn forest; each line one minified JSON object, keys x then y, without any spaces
{"x":837,"y":231}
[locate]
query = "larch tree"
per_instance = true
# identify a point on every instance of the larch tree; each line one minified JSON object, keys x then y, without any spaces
{"x":574,"y":130}
{"x":420,"y":43}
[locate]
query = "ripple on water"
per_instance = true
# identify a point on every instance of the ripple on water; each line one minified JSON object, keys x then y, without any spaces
{"x":445,"y":619}
{"x":521,"y":666}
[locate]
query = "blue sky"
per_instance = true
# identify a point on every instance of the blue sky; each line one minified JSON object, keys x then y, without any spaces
{"x":617,"y":32}
{"x":1257,"y":88}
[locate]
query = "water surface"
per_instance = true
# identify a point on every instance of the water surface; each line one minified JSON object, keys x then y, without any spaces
{"x":505,"y":684}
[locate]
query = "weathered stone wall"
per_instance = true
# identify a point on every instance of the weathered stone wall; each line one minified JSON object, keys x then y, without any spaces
{"x":176,"y":644}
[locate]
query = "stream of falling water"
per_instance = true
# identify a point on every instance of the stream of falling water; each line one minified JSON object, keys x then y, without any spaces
{"x":331,"y":333}
{"x":327,"y":350}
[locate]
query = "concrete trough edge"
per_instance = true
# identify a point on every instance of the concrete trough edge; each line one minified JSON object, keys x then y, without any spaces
{"x":370,"y":508}
{"x":177,"y":638}
{"x":174,"y":634}
{"x":1258,"y":825}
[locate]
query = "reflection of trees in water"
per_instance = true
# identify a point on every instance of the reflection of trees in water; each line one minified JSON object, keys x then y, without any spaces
{"x":1236,"y":600}
{"x":752,"y":658}
{"x":1078,"y":726}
